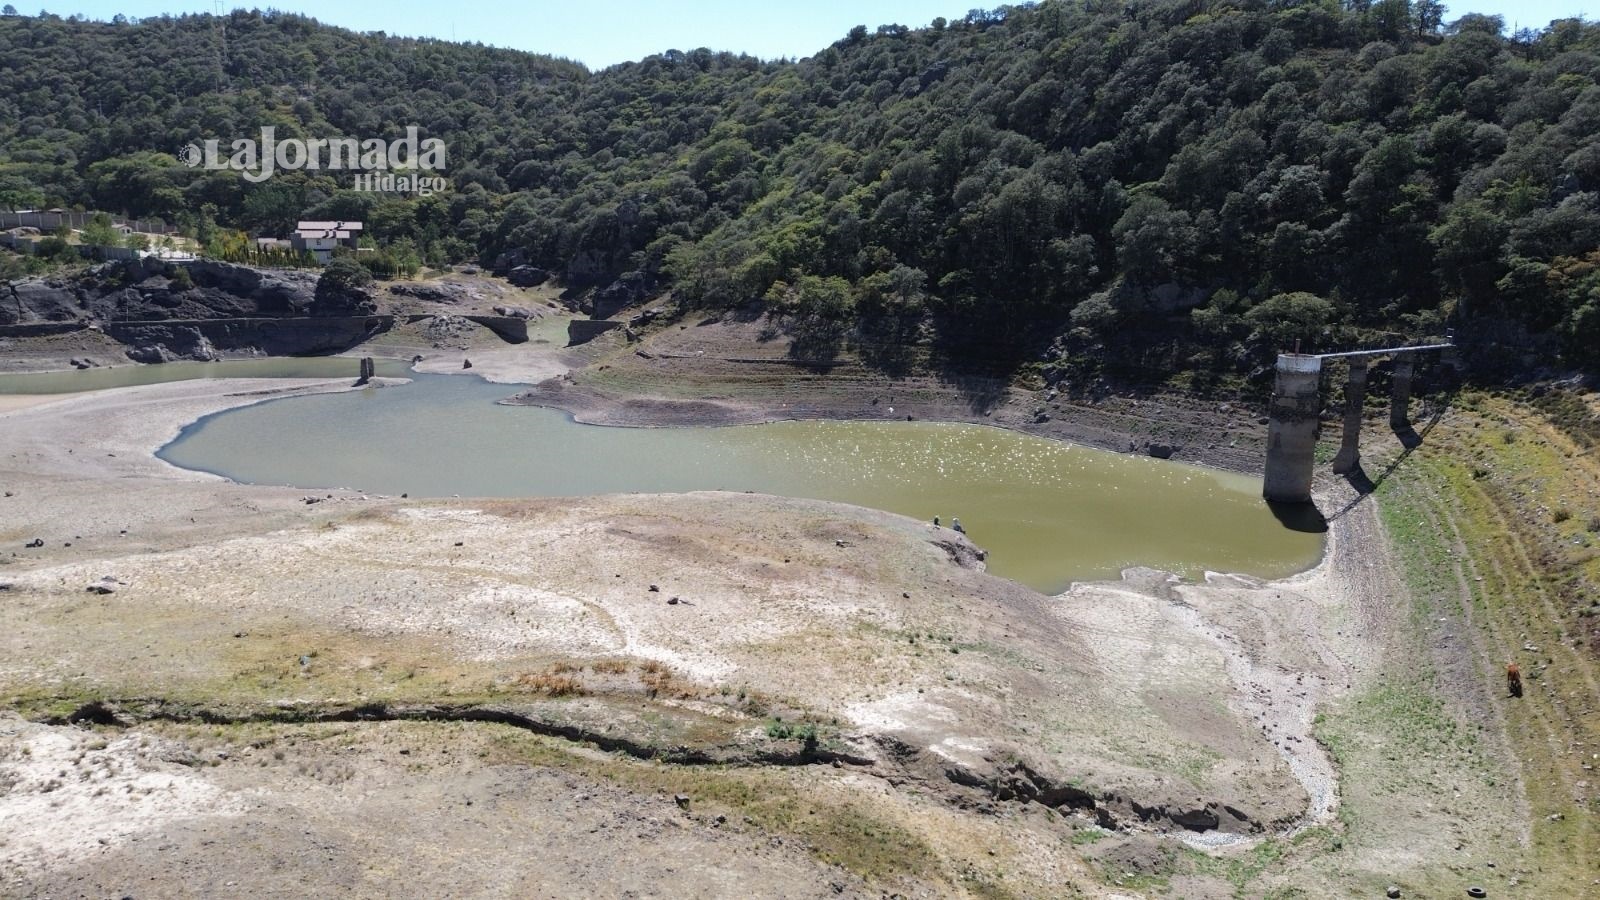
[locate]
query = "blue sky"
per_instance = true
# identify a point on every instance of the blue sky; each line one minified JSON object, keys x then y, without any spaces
{"x":601,"y":32}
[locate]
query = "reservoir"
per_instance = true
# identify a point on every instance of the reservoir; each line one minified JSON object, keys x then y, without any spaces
{"x":1048,"y":513}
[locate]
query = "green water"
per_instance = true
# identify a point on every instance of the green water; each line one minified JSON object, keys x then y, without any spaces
{"x":75,"y":380}
{"x":1049,"y":513}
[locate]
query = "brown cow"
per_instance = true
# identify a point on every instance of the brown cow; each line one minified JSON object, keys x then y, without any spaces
{"x":1513,"y":679}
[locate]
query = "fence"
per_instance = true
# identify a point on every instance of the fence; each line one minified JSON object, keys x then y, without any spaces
{"x":53,"y":219}
{"x":27,"y":244}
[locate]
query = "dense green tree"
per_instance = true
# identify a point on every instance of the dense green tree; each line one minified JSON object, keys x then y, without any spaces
{"x":1055,"y":177}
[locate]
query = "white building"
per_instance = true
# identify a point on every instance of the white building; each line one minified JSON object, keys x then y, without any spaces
{"x":321,"y":239}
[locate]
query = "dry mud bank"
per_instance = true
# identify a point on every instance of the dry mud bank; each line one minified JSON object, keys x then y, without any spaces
{"x":731,"y":372}
{"x":747,"y":695}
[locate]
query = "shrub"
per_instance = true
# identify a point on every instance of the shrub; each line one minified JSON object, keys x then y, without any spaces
{"x":55,"y":248}
{"x":343,"y":275}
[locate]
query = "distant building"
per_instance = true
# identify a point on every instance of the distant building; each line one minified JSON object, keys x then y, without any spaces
{"x":321,"y":239}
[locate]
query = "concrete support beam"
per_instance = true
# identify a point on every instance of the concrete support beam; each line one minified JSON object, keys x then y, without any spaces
{"x":368,"y":370}
{"x":1400,"y":393}
{"x":1355,"y":397}
{"x":1292,"y":428}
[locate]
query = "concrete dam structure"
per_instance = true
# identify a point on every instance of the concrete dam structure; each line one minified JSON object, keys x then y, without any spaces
{"x":1294,"y":416}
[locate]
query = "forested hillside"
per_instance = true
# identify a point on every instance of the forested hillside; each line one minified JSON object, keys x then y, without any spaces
{"x":1218,"y":178}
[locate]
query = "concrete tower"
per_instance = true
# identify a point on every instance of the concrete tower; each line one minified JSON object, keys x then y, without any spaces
{"x":1292,"y":428}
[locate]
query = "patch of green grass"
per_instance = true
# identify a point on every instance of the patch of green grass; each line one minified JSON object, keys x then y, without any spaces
{"x":1242,"y":869}
{"x":778,"y":729}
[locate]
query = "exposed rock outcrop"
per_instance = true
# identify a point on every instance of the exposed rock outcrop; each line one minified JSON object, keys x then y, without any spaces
{"x":582,"y":331}
{"x":205,"y":309}
{"x":33,"y":301}
{"x":629,"y":290}
{"x":511,"y":329}
{"x":527,"y":276}
{"x":202,"y":340}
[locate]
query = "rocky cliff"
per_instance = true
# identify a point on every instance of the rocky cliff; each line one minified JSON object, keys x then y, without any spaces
{"x":194,"y":310}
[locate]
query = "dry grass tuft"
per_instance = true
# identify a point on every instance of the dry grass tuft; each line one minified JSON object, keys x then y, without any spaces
{"x":553,"y":682}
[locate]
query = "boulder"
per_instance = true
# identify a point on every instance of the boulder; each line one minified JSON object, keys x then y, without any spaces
{"x":331,"y":301}
{"x":437,"y":292}
{"x":527,"y":276}
{"x":1202,"y":819}
{"x":629,"y":290}
{"x":151,"y":353}
{"x":505,"y":262}
{"x":582,"y":331}
{"x":510,"y":329}
{"x":174,"y":343}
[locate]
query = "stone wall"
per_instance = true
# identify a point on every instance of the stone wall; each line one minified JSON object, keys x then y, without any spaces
{"x":201,"y":338}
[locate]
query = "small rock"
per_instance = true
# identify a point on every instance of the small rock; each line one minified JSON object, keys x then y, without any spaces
{"x":101,"y":587}
{"x":466,"y":364}
{"x":682,"y":800}
{"x":461,"y":543}
{"x":654,"y":589}
{"x":672,"y":601}
{"x":1392,"y":892}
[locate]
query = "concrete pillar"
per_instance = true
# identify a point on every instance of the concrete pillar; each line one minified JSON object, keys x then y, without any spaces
{"x":368,"y":370}
{"x":1355,"y":397}
{"x":1400,"y":393}
{"x":1292,"y":428}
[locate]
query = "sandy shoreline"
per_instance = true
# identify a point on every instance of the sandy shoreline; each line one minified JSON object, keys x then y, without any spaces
{"x":14,"y":402}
